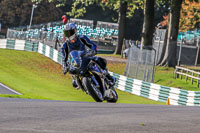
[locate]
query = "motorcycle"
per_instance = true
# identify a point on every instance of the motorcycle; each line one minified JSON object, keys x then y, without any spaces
{"x":92,"y":78}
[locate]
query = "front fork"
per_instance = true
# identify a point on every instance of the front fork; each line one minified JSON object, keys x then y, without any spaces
{"x":79,"y":82}
{"x":98,"y":71}
{"x":105,"y":81}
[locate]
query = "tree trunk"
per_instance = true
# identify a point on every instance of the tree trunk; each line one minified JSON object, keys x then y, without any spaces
{"x":148,"y":26}
{"x":164,"y":44}
{"x":122,"y":24}
{"x":170,"y":54}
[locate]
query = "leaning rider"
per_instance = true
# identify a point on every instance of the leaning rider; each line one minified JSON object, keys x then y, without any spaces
{"x":78,"y":42}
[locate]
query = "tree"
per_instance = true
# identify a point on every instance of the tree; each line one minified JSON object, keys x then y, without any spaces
{"x":122,"y":24}
{"x":174,"y":16}
{"x":148,"y":25}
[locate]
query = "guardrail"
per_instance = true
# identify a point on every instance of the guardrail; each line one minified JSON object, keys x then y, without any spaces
{"x":187,"y":73}
{"x":134,"y":86}
{"x":19,"y":45}
{"x":157,"y":92}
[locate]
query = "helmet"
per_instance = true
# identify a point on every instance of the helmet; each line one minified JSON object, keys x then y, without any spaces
{"x":70,"y":30}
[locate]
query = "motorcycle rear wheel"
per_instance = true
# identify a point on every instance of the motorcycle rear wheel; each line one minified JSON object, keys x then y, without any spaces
{"x":92,"y":89}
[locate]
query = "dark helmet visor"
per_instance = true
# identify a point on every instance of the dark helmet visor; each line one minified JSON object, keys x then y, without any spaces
{"x":69,"y":33}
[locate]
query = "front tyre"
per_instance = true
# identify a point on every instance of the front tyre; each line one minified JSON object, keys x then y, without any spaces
{"x":113,"y":96}
{"x":92,"y":89}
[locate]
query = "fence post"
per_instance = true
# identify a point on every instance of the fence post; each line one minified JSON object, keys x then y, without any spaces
{"x":186,"y":75}
{"x":180,"y":48}
{"x":145,"y":67}
{"x":175,"y":74}
{"x":158,"y":49}
{"x":123,"y":47}
{"x":192,"y":77}
{"x":197,"y":55}
{"x":32,"y":46}
{"x":154,"y":64}
{"x":182,"y":73}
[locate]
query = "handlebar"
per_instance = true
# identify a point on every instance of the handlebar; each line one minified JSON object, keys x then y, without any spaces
{"x":90,"y":53}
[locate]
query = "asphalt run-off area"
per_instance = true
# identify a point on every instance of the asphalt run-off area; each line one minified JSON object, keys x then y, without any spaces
{"x":43,"y":116}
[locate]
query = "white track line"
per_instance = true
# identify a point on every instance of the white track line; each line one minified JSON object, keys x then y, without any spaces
{"x":10,"y":89}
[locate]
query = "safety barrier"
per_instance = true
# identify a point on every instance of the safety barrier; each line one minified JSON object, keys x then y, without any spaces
{"x":134,"y":86}
{"x":157,"y":92}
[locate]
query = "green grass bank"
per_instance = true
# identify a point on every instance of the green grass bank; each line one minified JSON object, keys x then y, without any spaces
{"x":38,"y":77}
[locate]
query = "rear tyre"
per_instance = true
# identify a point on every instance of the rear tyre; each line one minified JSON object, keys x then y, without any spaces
{"x":92,"y":89}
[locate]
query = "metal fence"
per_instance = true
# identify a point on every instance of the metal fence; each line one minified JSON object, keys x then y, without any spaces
{"x":102,"y":30}
{"x":34,"y":34}
{"x":160,"y":34}
{"x":39,"y":26}
{"x":187,"y":50}
{"x":141,"y":63}
{"x":54,"y":36}
{"x":190,"y":37}
{"x":82,"y":22}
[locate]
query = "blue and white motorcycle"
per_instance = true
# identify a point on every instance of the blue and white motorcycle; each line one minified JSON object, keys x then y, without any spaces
{"x":90,"y":76}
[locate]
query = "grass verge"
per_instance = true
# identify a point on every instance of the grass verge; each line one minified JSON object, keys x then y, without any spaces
{"x":38,"y":77}
{"x":165,"y":76}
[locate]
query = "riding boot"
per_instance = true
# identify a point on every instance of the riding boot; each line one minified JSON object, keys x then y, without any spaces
{"x":74,"y":83}
{"x":111,"y":79}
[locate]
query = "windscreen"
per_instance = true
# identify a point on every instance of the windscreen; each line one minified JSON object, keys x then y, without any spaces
{"x":75,"y":58}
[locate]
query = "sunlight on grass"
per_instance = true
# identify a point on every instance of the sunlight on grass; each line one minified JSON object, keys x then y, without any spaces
{"x":38,"y":77}
{"x":165,"y":76}
{"x":112,"y":55}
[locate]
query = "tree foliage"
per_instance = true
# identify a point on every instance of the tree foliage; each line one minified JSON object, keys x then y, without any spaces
{"x":47,"y":12}
{"x":190,"y":15}
{"x":79,"y":7}
{"x":11,"y":13}
{"x":18,"y":12}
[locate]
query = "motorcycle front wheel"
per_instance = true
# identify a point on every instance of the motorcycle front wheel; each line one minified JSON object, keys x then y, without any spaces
{"x":113,"y":96}
{"x":92,"y":89}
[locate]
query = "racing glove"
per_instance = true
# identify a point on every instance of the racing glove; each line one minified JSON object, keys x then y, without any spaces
{"x":91,"y":53}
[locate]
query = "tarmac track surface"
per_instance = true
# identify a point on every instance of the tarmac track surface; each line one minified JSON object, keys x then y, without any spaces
{"x":42,"y":116}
